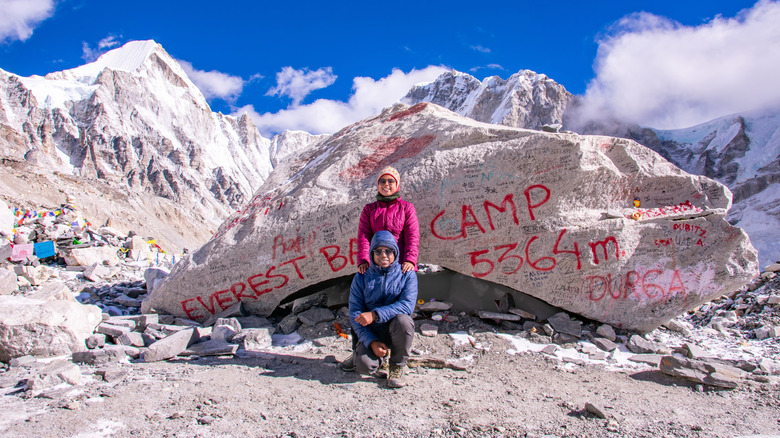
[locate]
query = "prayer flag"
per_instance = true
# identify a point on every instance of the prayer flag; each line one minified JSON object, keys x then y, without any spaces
{"x":44,"y":249}
{"x":20,"y":252}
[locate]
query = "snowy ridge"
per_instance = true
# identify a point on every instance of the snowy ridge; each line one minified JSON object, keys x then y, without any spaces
{"x":715,"y":137}
{"x":743,"y":152}
{"x":525,"y":100}
{"x":129,"y":57}
{"x":56,"y":93}
{"x":290,"y":142}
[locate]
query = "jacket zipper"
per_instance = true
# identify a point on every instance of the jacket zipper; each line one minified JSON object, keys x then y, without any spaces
{"x":384,"y":284}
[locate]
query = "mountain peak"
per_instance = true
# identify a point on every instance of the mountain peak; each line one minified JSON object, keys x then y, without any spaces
{"x":130,"y":57}
{"x":525,"y":100}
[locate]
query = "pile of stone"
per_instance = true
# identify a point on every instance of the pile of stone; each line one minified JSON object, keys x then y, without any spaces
{"x":61,"y":245}
{"x":603,"y":343}
{"x":752,"y":312}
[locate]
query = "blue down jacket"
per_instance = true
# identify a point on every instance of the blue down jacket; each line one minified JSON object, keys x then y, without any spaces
{"x":388,"y":291}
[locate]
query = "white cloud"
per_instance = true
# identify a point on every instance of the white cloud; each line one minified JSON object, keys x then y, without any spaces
{"x":89,"y":54}
{"x":297,"y":84}
{"x":482,"y":49}
{"x":214,"y":84}
{"x":660,"y":73}
{"x":20,"y":17}
{"x":108,"y":42}
{"x":489,"y":66}
{"x":328,"y":116}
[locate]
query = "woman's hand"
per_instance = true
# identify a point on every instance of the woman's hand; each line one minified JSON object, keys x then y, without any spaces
{"x":407,"y":266}
{"x":362,"y":268}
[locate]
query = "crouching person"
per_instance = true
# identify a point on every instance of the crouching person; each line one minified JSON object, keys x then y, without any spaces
{"x":381,"y":302}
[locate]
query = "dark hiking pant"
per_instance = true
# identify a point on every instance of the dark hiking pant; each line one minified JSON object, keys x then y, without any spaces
{"x":397,"y":335}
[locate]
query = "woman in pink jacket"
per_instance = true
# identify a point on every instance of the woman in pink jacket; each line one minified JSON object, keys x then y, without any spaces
{"x":393,"y":214}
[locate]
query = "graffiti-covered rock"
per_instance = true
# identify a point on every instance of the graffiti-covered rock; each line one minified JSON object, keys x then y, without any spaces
{"x":599,"y":226}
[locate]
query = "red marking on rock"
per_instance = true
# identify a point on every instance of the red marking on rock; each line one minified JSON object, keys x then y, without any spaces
{"x":407,"y":112}
{"x":386,"y":152}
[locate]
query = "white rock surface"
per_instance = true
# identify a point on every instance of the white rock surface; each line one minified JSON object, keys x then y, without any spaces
{"x":44,"y":328}
{"x":547,"y":214}
{"x":6,"y":220}
{"x":7,"y":281}
{"x":90,"y":256}
{"x":53,"y":290}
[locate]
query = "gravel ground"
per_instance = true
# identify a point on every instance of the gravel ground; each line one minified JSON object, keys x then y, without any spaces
{"x":301,"y":391}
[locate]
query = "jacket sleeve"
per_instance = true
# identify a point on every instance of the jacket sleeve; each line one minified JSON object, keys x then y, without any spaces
{"x":412,"y":235}
{"x":357,"y":305}
{"x":404,"y":304}
{"x":365,"y":232}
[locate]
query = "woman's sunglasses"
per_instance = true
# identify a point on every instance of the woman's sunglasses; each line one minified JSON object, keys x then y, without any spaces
{"x":384,"y":181}
{"x":381,"y":252}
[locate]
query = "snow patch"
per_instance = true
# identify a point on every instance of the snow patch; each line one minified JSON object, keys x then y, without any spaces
{"x":101,"y":428}
{"x":55,"y":93}
{"x":616,"y":359}
{"x":129,"y":57}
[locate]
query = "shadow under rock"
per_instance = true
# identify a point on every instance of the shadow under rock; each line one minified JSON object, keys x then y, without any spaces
{"x":657,"y":376}
{"x":325,"y":370}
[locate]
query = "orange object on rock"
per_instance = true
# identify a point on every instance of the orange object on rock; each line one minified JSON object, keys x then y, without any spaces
{"x":339,"y":331}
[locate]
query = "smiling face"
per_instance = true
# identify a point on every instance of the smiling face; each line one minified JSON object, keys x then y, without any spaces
{"x":383,"y":256}
{"x":386,"y":185}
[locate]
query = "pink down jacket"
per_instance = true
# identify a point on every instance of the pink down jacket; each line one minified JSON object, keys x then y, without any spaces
{"x":399,"y":218}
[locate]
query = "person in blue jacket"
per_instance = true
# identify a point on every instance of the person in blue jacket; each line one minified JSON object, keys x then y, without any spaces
{"x":381,"y":302}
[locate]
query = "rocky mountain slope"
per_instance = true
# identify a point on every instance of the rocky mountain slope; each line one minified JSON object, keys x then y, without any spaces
{"x":525,"y":100}
{"x":134,"y":121}
{"x":741,"y":151}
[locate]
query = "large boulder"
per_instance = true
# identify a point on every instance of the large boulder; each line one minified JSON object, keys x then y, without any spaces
{"x":552,"y":215}
{"x":103,"y":255}
{"x":8,"y":281}
{"x":6,"y":220}
{"x":44,"y":328}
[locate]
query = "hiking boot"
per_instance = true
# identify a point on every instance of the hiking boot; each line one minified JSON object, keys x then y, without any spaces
{"x":396,"y":377}
{"x":349,"y":363}
{"x":384,"y":368}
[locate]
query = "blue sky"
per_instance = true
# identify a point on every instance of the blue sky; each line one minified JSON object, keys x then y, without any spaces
{"x":318,"y":66}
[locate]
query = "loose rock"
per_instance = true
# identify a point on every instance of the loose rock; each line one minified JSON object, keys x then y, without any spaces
{"x":701,"y":372}
{"x":429,"y":330}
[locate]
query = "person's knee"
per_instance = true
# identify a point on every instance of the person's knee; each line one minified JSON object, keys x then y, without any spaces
{"x":364,"y":363}
{"x":402,"y":324}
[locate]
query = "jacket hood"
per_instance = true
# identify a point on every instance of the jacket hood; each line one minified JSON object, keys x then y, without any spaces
{"x":386,"y":239}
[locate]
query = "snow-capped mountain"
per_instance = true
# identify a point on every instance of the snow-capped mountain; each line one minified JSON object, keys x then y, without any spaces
{"x":743,"y":152}
{"x":525,"y":100}
{"x":134,"y":119}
